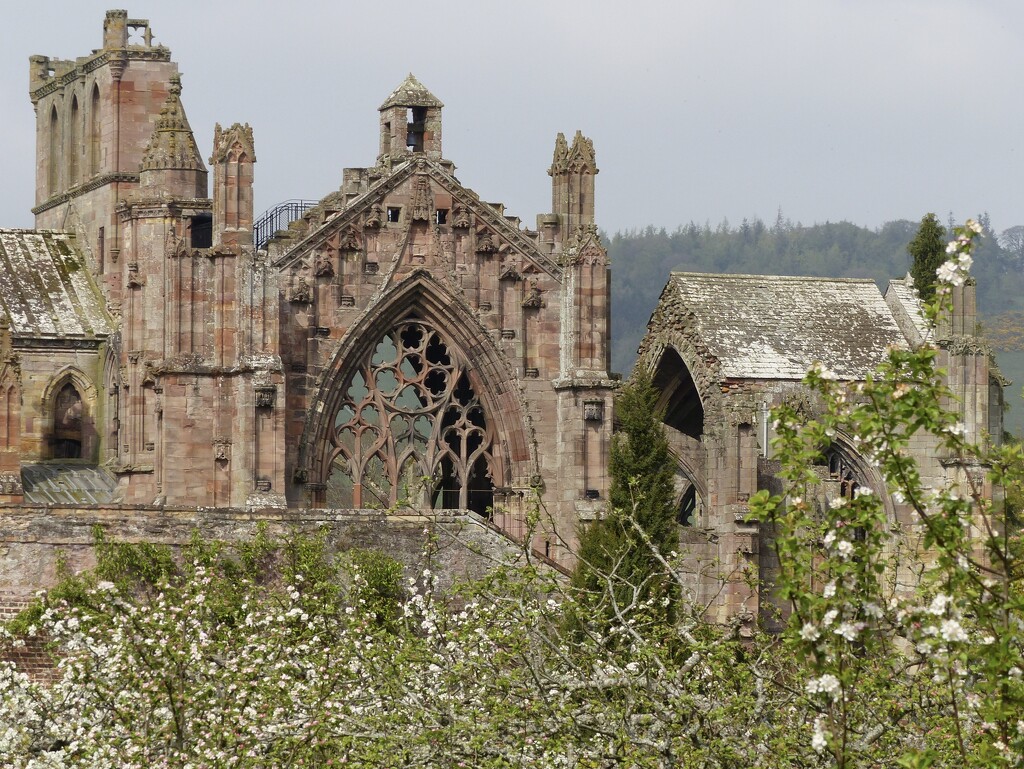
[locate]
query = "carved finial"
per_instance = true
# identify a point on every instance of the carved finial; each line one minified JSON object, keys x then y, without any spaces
{"x":238,"y":136}
{"x":581,"y":154}
{"x":561,"y":152}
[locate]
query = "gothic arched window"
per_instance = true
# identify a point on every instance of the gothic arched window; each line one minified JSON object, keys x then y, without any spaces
{"x":842,"y":471}
{"x":411,"y":429}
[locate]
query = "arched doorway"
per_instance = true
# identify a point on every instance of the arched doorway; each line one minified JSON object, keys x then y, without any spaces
{"x":411,"y":428}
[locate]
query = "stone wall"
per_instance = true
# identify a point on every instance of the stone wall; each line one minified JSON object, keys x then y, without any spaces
{"x":456,"y":545}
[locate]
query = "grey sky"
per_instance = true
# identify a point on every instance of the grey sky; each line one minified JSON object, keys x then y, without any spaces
{"x":866,"y":111}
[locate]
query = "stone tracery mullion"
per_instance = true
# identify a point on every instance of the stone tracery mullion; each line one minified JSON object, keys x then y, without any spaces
{"x":408,"y":380}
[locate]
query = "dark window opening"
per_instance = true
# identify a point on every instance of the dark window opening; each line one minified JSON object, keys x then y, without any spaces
{"x":67,"y":424}
{"x":101,"y":246}
{"x":417,"y":117}
{"x":394,"y":213}
{"x":201,"y":230}
{"x":441,"y":216}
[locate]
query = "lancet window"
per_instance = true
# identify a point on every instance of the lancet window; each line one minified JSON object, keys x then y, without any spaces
{"x":411,"y":430}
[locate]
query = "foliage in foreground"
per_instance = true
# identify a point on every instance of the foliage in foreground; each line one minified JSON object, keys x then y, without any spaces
{"x":620,"y":554}
{"x":277,"y":654}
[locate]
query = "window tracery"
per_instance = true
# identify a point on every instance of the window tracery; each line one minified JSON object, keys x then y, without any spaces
{"x":411,"y":429}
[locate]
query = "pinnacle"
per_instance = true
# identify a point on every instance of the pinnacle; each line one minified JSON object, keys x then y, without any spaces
{"x":172,"y":144}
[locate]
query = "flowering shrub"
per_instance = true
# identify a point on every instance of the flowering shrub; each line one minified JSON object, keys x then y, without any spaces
{"x":928,"y":672}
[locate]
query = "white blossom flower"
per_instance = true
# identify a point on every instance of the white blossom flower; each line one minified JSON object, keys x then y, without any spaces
{"x":845,"y":549}
{"x":809,"y":632}
{"x":952,"y":631}
{"x":819,"y":740}
{"x":849,"y":630}
{"x":825,"y":684}
{"x":939,"y":604}
{"x":950,"y":273}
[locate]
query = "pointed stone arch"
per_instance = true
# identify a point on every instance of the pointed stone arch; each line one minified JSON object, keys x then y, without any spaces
{"x":112,"y":391}
{"x":690,"y":401}
{"x":74,"y":147}
{"x":481,"y":400}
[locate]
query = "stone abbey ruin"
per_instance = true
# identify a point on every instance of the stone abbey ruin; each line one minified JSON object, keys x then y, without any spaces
{"x":399,"y":352}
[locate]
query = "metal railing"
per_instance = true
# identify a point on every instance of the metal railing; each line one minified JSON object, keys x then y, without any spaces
{"x":278,"y":218}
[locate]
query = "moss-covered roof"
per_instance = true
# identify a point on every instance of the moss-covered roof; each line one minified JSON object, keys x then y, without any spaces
{"x":46,"y":289}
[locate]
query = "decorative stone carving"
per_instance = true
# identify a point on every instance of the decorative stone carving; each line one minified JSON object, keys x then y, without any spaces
{"x":534,"y":296}
{"x":593,"y":411}
{"x":134,"y":279}
{"x":460,"y":218}
{"x":302,"y":293}
{"x":351,"y":240}
{"x":374,"y":217}
{"x":237,"y":137}
{"x":323,"y":265}
{"x":172,"y":145}
{"x":422,"y":203}
{"x":509,"y":271}
{"x":221,"y":449}
{"x":485,"y":243}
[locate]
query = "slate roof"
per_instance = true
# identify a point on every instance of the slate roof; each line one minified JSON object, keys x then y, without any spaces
{"x":775,"y":327}
{"x":45,"y":288}
{"x":54,"y":483}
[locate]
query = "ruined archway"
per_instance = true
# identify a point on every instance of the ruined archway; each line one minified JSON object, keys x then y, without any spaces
{"x":679,"y":401}
{"x":419,"y":408}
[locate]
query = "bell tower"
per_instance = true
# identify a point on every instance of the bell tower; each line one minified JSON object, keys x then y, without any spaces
{"x":410,"y":123}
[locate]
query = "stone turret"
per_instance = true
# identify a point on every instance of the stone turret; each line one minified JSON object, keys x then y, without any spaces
{"x":410,"y":123}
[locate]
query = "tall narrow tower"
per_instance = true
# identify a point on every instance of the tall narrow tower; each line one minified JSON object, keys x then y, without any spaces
{"x":95,"y":116}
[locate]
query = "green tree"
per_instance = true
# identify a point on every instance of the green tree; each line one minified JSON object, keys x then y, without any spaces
{"x":624,"y":550}
{"x":928,"y":250}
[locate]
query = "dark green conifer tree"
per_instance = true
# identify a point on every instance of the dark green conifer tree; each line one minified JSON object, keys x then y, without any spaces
{"x":617,"y":561}
{"x":928,"y":250}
